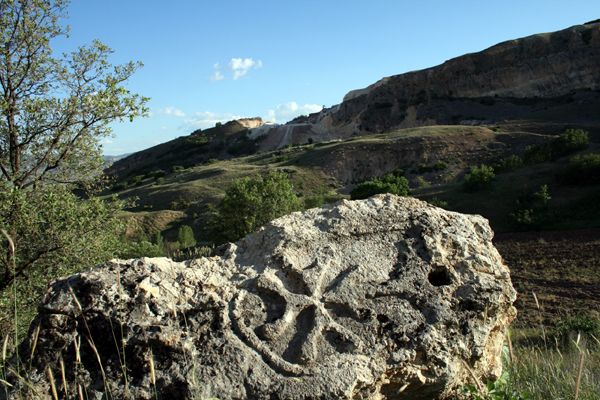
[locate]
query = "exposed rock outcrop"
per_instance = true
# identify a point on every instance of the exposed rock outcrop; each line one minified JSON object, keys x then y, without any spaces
{"x":490,"y":85}
{"x":384,"y":298}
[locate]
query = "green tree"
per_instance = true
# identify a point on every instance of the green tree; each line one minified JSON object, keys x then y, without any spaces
{"x":185,"y":237}
{"x":252,"y":202}
{"x":159,"y":241}
{"x":53,"y":113}
{"x":56,"y":234}
{"x":569,"y":141}
{"x":479,"y":178}
{"x":390,"y":183}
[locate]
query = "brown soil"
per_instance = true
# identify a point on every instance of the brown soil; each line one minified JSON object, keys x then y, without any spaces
{"x":562,"y":268}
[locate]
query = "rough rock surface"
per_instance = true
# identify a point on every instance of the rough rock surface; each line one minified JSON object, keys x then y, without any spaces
{"x":384,"y":298}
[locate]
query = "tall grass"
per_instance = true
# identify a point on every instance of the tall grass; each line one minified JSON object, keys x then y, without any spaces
{"x":548,"y":363}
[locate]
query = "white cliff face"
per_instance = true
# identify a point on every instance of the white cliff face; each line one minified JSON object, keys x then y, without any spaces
{"x":359,"y":300}
{"x":250,"y":123}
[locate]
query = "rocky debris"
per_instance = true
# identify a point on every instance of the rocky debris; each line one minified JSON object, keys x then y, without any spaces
{"x":384,"y":298}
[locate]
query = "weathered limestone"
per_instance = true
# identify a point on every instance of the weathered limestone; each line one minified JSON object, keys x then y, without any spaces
{"x":384,"y":298}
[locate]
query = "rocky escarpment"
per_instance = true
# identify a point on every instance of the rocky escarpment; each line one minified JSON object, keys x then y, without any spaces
{"x":549,"y":69}
{"x":550,"y":77}
{"x":384,"y":298}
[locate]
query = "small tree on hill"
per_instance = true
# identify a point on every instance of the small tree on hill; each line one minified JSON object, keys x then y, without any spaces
{"x":185,"y":237}
{"x":390,"y":183}
{"x":252,"y":202}
{"x":479,"y":178}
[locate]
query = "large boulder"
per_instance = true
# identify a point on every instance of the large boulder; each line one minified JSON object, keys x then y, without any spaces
{"x":384,"y":298}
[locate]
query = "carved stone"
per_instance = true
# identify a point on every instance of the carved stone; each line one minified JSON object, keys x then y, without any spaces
{"x":384,"y":298}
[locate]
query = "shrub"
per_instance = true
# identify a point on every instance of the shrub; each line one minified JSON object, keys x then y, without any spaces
{"x":252,"y":202}
{"x":479,"y":178}
{"x":440,"y":166}
{"x":390,"y":183}
{"x":570,"y":141}
{"x":314,"y":201}
{"x":185,"y":236}
{"x":177,"y":168}
{"x":197,"y":139}
{"x":583,"y":324}
{"x":537,"y":154}
{"x":140,"y":248}
{"x":434,"y":201}
{"x":509,"y":163}
{"x":583,"y":169}
{"x":531,"y":209}
{"x":159,"y":173}
{"x":422,"y":182}
{"x":120,"y":186}
{"x":136,"y":180}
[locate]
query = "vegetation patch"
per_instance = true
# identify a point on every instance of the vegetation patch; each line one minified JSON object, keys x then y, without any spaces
{"x":390,"y":183}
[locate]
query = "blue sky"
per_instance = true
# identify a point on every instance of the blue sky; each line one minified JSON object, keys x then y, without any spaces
{"x":209,"y":61}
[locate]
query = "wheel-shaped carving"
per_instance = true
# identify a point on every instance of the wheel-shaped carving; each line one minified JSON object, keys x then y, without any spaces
{"x":296,"y":321}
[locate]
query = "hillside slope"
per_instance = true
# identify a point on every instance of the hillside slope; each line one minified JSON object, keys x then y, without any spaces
{"x":543,"y":80}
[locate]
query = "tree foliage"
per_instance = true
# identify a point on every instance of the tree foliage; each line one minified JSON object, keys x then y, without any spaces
{"x":582,"y":169}
{"x":479,"y":178}
{"x":185,"y":237}
{"x":390,"y":183}
{"x":252,"y":202}
{"x":53,"y":112}
{"x":54,"y":233}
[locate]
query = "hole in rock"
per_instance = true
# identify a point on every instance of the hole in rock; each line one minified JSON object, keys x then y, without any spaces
{"x":440,"y":277}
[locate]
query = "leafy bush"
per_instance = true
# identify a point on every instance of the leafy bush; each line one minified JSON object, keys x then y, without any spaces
{"x":197,"y":139}
{"x":438,"y":166}
{"x":177,"y":168}
{"x":314,"y":201}
{"x":252,"y":202}
{"x":583,"y":324}
{"x":531,"y":209}
{"x":136,"y":180}
{"x":141,"y":248}
{"x":479,"y":178}
{"x":570,"y":141}
{"x":185,"y":236}
{"x":60,"y":233}
{"x":583,"y":169}
{"x":494,"y":390}
{"x":507,"y":164}
{"x":159,"y":173}
{"x":390,"y":183}
{"x":438,"y":202}
{"x":120,"y":186}
{"x":537,"y":154}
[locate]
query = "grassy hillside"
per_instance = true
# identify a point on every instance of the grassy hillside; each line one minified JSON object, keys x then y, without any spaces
{"x":434,"y":159}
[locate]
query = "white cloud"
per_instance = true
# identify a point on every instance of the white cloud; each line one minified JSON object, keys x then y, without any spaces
{"x":290,"y":110}
{"x":172,"y":112}
{"x":207,"y":119}
{"x":241,"y":66}
{"x":217,"y":75}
